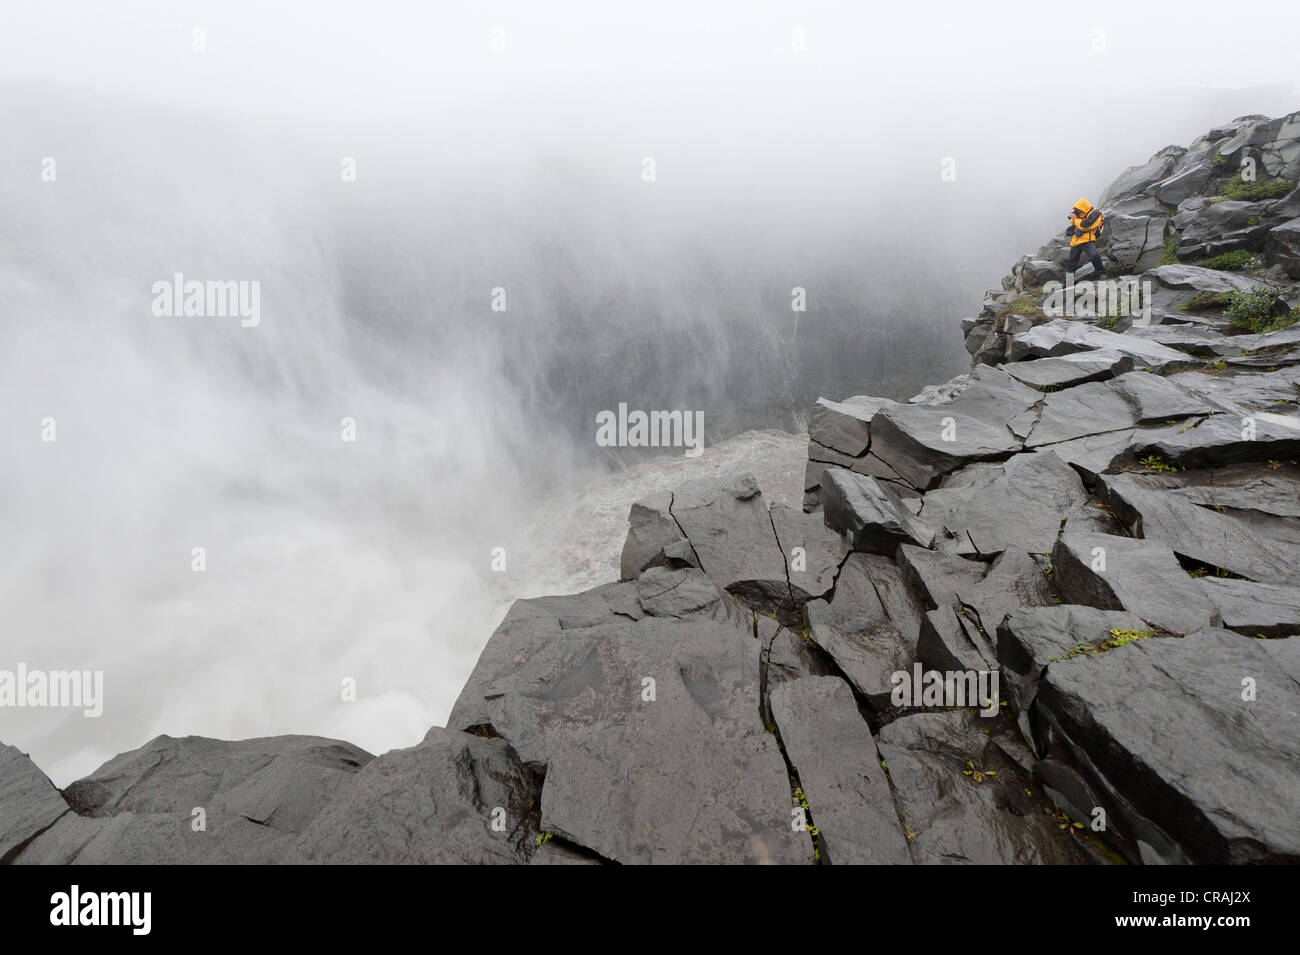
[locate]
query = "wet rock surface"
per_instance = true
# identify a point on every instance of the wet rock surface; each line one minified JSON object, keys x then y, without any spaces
{"x":1100,"y":522}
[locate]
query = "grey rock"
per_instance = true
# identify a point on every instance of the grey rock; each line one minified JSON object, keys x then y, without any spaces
{"x":845,"y":426}
{"x":952,"y":641}
{"x":926,"y":440}
{"x":690,"y":776}
{"x":1140,"y":179}
{"x":1186,"y":182}
{"x":870,"y":513}
{"x":1264,"y":550}
{"x":431,"y":804}
{"x":856,"y":630}
{"x":813,"y":552}
{"x":1124,"y":573}
{"x":1282,"y":247}
{"x":29,"y":803}
{"x":651,"y":530}
{"x":1030,"y":638}
{"x":728,"y":526}
{"x":1194,"y":278}
{"x":1254,"y":609}
{"x":1053,"y":374}
{"x":1062,"y":337}
{"x":1131,"y":399}
{"x":953,"y":819}
{"x":1152,"y":717}
{"x":834,"y":755}
{"x":970,"y":510}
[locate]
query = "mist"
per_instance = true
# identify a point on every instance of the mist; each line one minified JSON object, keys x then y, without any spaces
{"x":388,"y":173}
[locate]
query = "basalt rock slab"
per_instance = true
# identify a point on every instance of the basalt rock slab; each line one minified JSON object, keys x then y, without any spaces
{"x":455,"y":799}
{"x":834,"y":754}
{"x":1125,"y":573}
{"x":845,"y":426}
{"x":280,"y":782}
{"x":953,"y":819}
{"x":1030,"y":638}
{"x":856,"y":630}
{"x":255,"y":797}
{"x":730,"y":531}
{"x":676,"y":770}
{"x":813,"y":552}
{"x":653,"y":538}
{"x":1222,"y":439}
{"x":925,"y":440}
{"x":952,"y":640}
{"x":969,"y":511}
{"x":869,"y":513}
{"x":1132,"y":399}
{"x":1282,"y":247}
{"x":29,"y":803}
{"x":1187,"y":760}
{"x":1053,"y":374}
{"x":1254,"y":609}
{"x":1265,"y":549}
{"x":1063,"y":337}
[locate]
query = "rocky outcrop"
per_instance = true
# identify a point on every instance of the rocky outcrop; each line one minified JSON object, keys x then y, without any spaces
{"x":1045,"y":612}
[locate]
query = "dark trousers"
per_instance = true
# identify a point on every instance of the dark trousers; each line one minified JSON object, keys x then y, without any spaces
{"x":1089,"y":249}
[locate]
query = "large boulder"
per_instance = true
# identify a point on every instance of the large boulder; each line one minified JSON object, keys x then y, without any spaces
{"x":1124,"y":573}
{"x":648,"y":733}
{"x":654,"y":538}
{"x":730,"y":532}
{"x":969,"y":511}
{"x":845,"y":426}
{"x":1282,"y":246}
{"x":454,"y":799}
{"x":1259,"y":547}
{"x":29,"y":803}
{"x":856,"y":629}
{"x":253,"y":797}
{"x":1223,"y":227}
{"x":869,"y":513}
{"x":1191,"y":747}
{"x":950,"y":815}
{"x":1139,"y":179}
{"x":925,"y":440}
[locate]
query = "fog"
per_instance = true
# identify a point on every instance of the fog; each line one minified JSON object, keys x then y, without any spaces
{"x":495,"y":146}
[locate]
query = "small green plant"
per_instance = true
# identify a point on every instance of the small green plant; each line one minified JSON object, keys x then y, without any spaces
{"x":1170,"y":254}
{"x":1118,"y":638}
{"x":1220,"y":161}
{"x":1255,"y":191}
{"x":976,"y":774}
{"x":1256,"y":310}
{"x":1218,"y":364}
{"x":544,"y":837}
{"x":1153,"y":462}
{"x":1233,"y":261}
{"x":1253,"y":220}
{"x":1206,"y":300}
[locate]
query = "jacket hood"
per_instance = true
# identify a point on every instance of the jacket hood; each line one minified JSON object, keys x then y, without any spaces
{"x":1084,"y":206}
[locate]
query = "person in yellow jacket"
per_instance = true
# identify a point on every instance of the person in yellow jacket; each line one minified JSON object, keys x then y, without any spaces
{"x":1084,"y":231}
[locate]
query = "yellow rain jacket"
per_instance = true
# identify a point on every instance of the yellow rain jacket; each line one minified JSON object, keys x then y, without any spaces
{"x":1082,"y":234}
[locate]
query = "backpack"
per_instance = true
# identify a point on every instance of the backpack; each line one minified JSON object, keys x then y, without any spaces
{"x":1088,"y":221}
